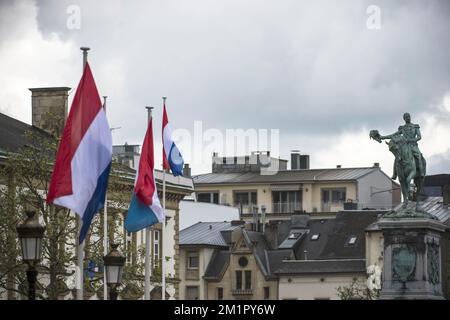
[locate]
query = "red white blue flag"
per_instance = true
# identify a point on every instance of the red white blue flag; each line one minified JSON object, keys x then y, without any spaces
{"x":145,"y":208}
{"x":83,"y":161}
{"x":172,"y":158}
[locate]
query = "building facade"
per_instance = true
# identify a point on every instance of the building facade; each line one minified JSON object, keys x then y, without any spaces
{"x":285,"y":192}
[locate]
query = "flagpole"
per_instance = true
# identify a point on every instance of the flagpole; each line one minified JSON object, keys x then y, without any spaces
{"x":80,"y":247}
{"x":148,"y":271}
{"x":105,"y":230}
{"x":163,"y":229}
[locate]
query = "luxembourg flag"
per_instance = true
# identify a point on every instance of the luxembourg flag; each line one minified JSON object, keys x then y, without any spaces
{"x":145,"y":208}
{"x":83,"y":161}
{"x":172,"y":158}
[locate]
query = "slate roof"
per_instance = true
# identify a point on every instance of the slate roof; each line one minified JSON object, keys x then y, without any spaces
{"x":330,"y":253}
{"x":314,"y":248}
{"x":260,"y":246}
{"x":301,"y":175}
{"x":435,"y":206}
{"x":12,"y":133}
{"x":205,"y":234}
{"x":346,"y":225}
{"x":276,"y":257}
{"x":217,"y":265}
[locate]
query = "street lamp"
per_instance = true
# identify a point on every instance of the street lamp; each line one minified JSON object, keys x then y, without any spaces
{"x":114,"y":262}
{"x":30,"y":234}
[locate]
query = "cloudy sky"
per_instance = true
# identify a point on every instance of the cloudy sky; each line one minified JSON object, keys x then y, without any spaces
{"x":312,"y":69}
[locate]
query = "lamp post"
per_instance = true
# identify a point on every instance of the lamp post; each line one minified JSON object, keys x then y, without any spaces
{"x":114,"y":262}
{"x":30,"y":234}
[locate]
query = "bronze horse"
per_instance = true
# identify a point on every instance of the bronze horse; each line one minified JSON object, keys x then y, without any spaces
{"x":406,"y":165}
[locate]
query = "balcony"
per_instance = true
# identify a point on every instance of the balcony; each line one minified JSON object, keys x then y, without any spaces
{"x":334,"y":206}
{"x":242,"y":292}
{"x":286,"y":207}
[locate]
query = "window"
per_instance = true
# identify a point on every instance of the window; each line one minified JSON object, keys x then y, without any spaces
{"x":286,"y":201}
{"x":192,"y":260}
{"x":248,"y":279}
{"x":192,"y":293}
{"x":243,"y":261}
{"x":352,"y":240}
{"x":209,"y":197}
{"x":294,"y":235}
{"x":238,"y":280}
{"x":315,"y":237}
{"x":219,"y":293}
{"x":266,"y":293}
{"x":245,"y":198}
{"x":332,"y":197}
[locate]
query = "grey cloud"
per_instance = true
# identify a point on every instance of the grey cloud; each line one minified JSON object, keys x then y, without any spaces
{"x":439,"y":163}
{"x":308,"y":68}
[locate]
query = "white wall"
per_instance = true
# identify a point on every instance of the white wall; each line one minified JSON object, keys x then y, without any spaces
{"x":310,"y":287}
{"x":192,"y":212}
{"x":374,"y":182}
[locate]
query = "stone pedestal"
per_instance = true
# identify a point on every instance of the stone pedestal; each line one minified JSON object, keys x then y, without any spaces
{"x":412,"y":258}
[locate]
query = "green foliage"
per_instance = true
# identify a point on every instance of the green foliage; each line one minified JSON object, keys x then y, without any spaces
{"x":357,"y":290}
{"x":25,"y":175}
{"x":24,"y":180}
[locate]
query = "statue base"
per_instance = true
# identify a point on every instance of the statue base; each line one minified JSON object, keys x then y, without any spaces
{"x":412,"y":256}
{"x":412,"y":210}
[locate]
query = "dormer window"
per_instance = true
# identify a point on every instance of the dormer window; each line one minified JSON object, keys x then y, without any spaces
{"x":315,"y":237}
{"x":294,"y":235}
{"x":352,"y":240}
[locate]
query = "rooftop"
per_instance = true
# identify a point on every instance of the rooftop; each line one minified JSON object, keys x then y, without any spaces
{"x":12,"y":133}
{"x":205,"y":234}
{"x":306,"y":175}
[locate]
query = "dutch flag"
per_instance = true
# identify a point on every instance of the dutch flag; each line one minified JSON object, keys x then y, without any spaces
{"x":145,"y":208}
{"x":172,"y":158}
{"x":83,"y":161}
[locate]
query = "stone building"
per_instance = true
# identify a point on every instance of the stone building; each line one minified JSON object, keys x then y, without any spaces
{"x":224,"y":260}
{"x":49,"y":110}
{"x":296,"y":258}
{"x":256,"y":191}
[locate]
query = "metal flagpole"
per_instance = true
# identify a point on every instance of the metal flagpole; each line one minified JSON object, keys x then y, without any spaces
{"x":148,"y":233}
{"x":163,"y":229}
{"x":105,"y":230}
{"x":80,"y":253}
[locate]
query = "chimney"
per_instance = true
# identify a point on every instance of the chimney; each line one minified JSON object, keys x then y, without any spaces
{"x":376,"y":164}
{"x":49,"y":108}
{"x":187,"y":170}
{"x":304,"y":161}
{"x":338,"y":166}
{"x":295,"y":160}
{"x":299,"y":161}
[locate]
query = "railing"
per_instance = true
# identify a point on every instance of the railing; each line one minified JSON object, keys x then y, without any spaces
{"x":286,"y":207}
{"x":297,"y":207}
{"x":242,"y":291}
{"x":332,"y":206}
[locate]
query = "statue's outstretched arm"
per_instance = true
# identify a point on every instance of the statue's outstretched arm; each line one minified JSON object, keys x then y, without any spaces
{"x":389,"y":136}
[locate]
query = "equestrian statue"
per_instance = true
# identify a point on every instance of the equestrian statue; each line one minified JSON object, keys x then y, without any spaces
{"x":409,"y":164}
